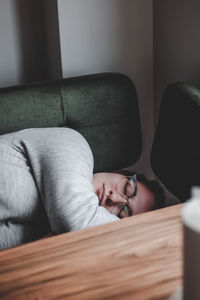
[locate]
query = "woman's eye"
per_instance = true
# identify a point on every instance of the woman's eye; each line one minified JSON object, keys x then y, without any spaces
{"x":127,"y":189}
{"x":128,"y":211}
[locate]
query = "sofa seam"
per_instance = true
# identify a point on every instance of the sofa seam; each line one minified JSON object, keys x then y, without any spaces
{"x":62,"y":106}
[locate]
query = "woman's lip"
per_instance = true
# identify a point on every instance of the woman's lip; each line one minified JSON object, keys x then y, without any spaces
{"x":102,"y":194}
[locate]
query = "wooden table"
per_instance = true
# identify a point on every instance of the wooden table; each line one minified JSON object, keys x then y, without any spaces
{"x":136,"y":258}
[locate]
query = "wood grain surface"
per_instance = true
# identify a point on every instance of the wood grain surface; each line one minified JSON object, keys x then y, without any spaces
{"x":136,"y":258}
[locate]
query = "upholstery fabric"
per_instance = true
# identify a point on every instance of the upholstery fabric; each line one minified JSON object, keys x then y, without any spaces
{"x":102,"y":107}
{"x":175,"y":156}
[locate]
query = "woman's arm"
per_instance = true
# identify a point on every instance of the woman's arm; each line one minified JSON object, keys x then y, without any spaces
{"x":62,"y":165}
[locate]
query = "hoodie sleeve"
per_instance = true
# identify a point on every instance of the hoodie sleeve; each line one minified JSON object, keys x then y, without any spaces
{"x":62,"y":166}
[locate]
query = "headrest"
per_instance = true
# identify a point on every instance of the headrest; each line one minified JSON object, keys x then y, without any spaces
{"x":175,"y":156}
{"x":102,"y":107}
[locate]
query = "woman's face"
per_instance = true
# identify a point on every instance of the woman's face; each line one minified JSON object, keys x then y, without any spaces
{"x":111,"y":189}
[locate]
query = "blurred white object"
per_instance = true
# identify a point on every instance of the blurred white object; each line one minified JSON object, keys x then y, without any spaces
{"x":195,"y":192}
{"x":178,"y":295}
{"x":191,"y":222}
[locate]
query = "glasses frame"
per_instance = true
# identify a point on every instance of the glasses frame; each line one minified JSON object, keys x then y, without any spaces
{"x":125,"y":207}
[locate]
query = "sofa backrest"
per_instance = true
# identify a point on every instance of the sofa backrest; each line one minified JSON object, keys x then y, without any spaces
{"x":175,"y":156}
{"x":102,"y":107}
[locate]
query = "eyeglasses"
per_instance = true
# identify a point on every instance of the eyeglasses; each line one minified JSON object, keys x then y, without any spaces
{"x":127,"y":189}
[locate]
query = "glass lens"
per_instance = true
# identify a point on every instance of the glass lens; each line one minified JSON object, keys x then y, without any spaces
{"x":128,"y":186}
{"x":125,"y":209}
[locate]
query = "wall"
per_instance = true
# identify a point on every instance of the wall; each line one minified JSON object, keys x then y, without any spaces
{"x":176,"y":47}
{"x":176,"y":44}
{"x":26,"y":45}
{"x":95,"y":36}
{"x":112,"y":35}
{"x":10,"y":70}
{"x":52,"y":39}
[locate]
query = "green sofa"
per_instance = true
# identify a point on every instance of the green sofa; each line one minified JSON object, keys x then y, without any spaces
{"x":102,"y":107}
{"x":175,"y":156}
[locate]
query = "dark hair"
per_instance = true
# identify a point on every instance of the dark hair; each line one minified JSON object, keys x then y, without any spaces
{"x":152,"y":185}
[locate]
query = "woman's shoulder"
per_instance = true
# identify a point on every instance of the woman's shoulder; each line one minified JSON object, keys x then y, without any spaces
{"x":57,"y":134}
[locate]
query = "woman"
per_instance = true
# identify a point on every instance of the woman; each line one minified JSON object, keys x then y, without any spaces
{"x":124,"y":194}
{"x":47,"y":185}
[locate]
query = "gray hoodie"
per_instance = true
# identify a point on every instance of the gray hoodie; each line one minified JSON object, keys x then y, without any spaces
{"x":46,"y":185}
